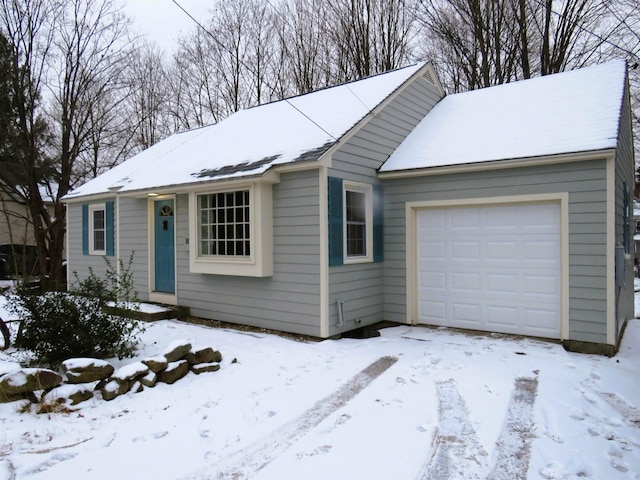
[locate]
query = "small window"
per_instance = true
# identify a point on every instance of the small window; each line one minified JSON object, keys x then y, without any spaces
{"x":224,"y":228}
{"x":357,"y":222}
{"x":97,"y":230}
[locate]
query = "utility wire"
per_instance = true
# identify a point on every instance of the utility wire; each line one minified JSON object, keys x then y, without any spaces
{"x":598,"y":36}
{"x":286,"y":20}
{"x":224,"y":47}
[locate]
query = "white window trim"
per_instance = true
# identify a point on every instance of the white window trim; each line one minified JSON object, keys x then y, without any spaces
{"x":260,"y":262}
{"x":368,"y":198}
{"x":93,"y":208}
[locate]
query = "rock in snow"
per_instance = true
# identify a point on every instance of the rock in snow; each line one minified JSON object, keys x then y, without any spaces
{"x":174,"y":372}
{"x":22,"y":382}
{"x":156,"y":364}
{"x":87,"y":375}
{"x":130,"y":372}
{"x":86,"y":370}
{"x":176,"y":350}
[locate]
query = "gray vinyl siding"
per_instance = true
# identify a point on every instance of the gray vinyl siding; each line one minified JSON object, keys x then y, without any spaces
{"x":586,"y":184}
{"x":77,"y":262}
{"x":360,"y":287}
{"x":625,"y":173}
{"x":134,"y":241}
{"x":287,"y":301}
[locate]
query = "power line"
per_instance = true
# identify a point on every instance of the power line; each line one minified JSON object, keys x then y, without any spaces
{"x":599,"y":37}
{"x":224,"y":47}
{"x":286,"y":20}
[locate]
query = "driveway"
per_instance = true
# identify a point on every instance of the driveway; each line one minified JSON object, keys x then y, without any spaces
{"x":414,"y":403}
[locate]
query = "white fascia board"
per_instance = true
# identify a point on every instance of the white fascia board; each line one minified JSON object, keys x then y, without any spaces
{"x":500,"y":164}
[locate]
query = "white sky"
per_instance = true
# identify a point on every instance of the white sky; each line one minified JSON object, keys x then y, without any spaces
{"x":162,"y":20}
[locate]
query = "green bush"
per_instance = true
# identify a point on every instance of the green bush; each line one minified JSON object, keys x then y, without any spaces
{"x":83,"y":322}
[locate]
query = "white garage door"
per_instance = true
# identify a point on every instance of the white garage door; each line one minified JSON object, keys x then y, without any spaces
{"x":492,"y":268}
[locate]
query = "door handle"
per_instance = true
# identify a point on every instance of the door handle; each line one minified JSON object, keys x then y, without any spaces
{"x":165,"y":225}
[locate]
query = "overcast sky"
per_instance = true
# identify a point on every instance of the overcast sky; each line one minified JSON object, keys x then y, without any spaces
{"x":162,"y":20}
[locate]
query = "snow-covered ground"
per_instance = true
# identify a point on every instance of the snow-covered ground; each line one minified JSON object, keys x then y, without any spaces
{"x":413,"y":403}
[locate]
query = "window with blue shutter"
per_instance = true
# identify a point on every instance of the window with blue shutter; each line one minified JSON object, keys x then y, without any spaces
{"x":109,"y":234}
{"x":98,"y":229}
{"x":335,"y":221}
{"x":85,"y":229}
{"x":356,"y":216}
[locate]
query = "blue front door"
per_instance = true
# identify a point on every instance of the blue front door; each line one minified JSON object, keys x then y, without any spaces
{"x":165,"y":270}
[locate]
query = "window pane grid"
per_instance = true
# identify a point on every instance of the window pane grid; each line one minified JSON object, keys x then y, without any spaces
{"x":356,"y":223}
{"x":224,"y":224}
{"x":98,"y":230}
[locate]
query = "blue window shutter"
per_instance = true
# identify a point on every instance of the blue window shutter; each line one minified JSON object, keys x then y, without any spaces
{"x":85,"y":229}
{"x":335,"y":221}
{"x":378,"y":224}
{"x":108,"y":220}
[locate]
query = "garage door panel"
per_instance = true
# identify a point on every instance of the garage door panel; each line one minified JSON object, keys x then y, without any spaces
{"x":462,"y":220}
{"x":501,"y":219}
{"x":469,"y":313}
{"x":462,"y":282}
{"x":548,"y":285}
{"x":501,"y":283}
{"x":541,"y":251}
{"x":500,"y":318}
{"x":540,"y":321}
{"x":433,"y":281}
{"x":435,"y":220}
{"x":434,"y":311}
{"x":465,"y":250}
{"x":493,"y":268}
{"x":499,"y":250}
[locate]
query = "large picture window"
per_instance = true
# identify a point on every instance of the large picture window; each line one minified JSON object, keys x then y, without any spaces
{"x":225,"y":224}
{"x":231,"y":230}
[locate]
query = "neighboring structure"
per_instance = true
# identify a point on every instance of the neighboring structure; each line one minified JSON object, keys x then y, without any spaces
{"x":15,"y":226}
{"x":506,"y":209}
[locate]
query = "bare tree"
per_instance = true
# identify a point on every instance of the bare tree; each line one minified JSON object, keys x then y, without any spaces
{"x":30,"y":37}
{"x":480,"y":43}
{"x":147,"y":98}
{"x":72,"y":53}
{"x":302,"y":40}
{"x":369,"y":36}
{"x":479,"y":38}
{"x":193,"y":77}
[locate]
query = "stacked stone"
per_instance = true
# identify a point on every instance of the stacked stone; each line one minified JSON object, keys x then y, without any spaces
{"x":84,"y":376}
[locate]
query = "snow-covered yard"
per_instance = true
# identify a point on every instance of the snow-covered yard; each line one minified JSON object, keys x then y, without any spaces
{"x":413,"y":403}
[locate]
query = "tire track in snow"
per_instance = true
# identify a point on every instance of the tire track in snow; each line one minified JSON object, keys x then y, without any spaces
{"x":456,"y":450}
{"x":250,"y":460}
{"x":513,"y":447}
{"x":457,"y":453}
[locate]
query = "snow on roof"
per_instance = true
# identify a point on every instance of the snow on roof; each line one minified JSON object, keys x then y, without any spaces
{"x":251,"y":141}
{"x":568,"y":112}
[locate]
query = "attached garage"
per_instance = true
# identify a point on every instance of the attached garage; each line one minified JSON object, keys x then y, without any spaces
{"x":507,"y":209}
{"x":490,"y":267}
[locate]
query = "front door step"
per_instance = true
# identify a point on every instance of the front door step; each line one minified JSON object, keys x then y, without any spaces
{"x":152,"y":312}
